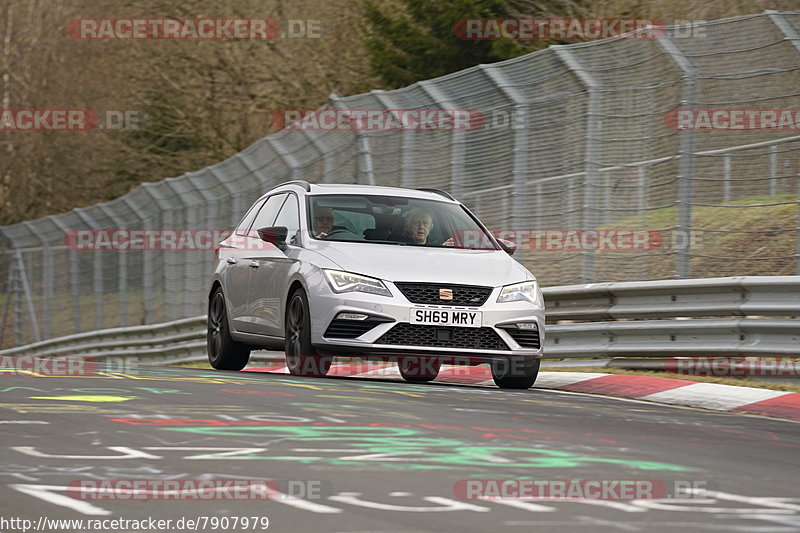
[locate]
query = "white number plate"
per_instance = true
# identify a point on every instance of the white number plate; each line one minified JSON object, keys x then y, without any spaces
{"x":446,"y":317}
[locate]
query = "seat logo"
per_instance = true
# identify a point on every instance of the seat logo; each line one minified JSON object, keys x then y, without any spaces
{"x":445,"y":294}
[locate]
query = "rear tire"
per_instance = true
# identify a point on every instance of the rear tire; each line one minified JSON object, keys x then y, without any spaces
{"x":302,"y":359}
{"x":224,"y":353}
{"x":515,"y":373}
{"x":419,"y":369}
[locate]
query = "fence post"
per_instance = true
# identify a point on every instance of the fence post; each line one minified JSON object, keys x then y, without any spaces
{"x":773,"y":169}
{"x":148,"y":277}
{"x":26,"y":290}
{"x":797,"y":229}
{"x":688,"y":97}
{"x":122,"y":265}
{"x":47,"y":277}
{"x":457,"y":155}
{"x":726,"y":184}
{"x":642,"y":207}
{"x":328,"y":163}
{"x":519,"y":171}
{"x":592,"y":150}
{"x":365,"y":171}
{"x":290,"y":160}
{"x":97,"y":271}
{"x":785,"y":27}
{"x":407,"y":146}
{"x":791,"y":34}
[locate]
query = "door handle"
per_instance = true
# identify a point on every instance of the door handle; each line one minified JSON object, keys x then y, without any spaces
{"x":231,"y":261}
{"x":254,"y":264}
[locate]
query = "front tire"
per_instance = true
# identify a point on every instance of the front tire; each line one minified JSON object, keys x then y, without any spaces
{"x":302,"y":359}
{"x":515,"y":373}
{"x":224,"y":353}
{"x":419,"y":369}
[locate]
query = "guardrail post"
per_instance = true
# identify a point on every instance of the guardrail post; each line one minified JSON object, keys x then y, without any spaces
{"x":685,"y":185}
{"x":592,"y":150}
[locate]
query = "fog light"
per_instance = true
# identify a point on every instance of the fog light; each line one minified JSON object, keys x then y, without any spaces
{"x":351,"y":316}
{"x":527,"y":325}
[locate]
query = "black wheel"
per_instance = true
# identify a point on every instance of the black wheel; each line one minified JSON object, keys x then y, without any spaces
{"x":224,"y":353}
{"x":419,"y":369}
{"x":515,"y":373}
{"x":302,"y":358}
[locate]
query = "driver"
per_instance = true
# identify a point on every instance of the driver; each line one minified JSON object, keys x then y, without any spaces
{"x":418,"y":227}
{"x":323,"y":222}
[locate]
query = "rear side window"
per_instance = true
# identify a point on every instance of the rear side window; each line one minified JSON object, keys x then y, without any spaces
{"x":289,"y":216}
{"x":244,"y":225}
{"x":266,"y":215}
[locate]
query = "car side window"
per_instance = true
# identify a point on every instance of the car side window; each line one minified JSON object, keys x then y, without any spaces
{"x":244,"y":225}
{"x":289,"y":216}
{"x":266,"y":214}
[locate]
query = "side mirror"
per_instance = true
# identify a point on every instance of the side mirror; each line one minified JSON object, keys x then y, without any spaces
{"x":508,"y":246}
{"x":274,"y":235}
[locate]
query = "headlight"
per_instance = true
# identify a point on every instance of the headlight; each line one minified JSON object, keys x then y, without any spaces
{"x":527,"y":291}
{"x":349,"y":282}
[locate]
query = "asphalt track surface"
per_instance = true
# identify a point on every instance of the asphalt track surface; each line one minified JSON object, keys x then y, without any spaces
{"x":357,"y":455}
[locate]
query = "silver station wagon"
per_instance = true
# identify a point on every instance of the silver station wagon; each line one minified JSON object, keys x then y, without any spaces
{"x":382,"y":273}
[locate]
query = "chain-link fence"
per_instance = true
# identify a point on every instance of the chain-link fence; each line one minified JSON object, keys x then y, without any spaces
{"x":577,"y":141}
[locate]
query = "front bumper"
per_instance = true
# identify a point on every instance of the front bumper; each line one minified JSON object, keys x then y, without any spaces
{"x":392,"y":334}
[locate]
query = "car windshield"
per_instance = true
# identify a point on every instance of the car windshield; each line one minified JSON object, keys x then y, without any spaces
{"x":394,"y":220}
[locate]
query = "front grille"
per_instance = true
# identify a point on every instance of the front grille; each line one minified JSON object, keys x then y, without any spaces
{"x":428,"y":293}
{"x":527,"y":338}
{"x":431,"y":336}
{"x":350,"y":329}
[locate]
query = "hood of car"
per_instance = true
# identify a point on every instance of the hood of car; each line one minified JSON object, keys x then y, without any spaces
{"x":432,"y":265}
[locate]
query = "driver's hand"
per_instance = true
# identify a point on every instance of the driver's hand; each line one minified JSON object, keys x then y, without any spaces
{"x":322,"y":235}
{"x":449,"y":242}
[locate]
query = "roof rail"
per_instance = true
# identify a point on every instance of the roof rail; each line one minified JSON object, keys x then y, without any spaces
{"x":439,"y":192}
{"x":302,"y":183}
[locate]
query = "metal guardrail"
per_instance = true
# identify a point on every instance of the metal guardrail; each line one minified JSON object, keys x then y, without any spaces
{"x":753,"y":315}
{"x":185,"y":338}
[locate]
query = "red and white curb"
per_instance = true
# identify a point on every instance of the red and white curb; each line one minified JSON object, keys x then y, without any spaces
{"x":715,"y":396}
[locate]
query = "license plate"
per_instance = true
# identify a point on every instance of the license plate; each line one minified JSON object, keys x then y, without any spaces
{"x":446,"y":317}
